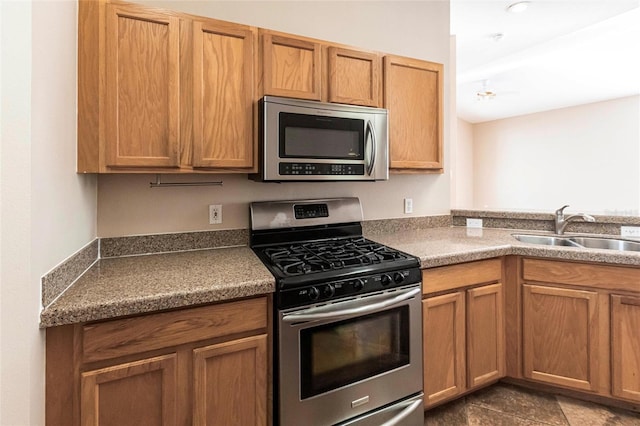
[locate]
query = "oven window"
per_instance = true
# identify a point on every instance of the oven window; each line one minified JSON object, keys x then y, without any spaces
{"x":309,"y":136}
{"x":340,"y":353}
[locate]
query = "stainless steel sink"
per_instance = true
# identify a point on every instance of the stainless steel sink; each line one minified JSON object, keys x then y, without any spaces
{"x":582,"y":242}
{"x":607,"y":243}
{"x":546,"y":240}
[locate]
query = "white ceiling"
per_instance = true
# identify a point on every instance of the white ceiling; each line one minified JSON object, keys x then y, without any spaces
{"x":556,"y":54}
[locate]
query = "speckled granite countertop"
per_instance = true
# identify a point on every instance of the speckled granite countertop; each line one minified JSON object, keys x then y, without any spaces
{"x":140,"y":284}
{"x":445,"y":246}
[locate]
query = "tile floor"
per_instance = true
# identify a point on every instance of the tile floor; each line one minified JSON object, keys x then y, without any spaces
{"x":508,"y":405}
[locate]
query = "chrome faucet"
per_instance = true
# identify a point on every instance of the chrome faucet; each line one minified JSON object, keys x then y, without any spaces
{"x":562,"y":222}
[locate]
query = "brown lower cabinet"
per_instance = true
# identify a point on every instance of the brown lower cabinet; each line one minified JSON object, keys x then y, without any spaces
{"x":580,"y":327}
{"x":202,"y":366}
{"x":625,"y":347}
{"x":463,"y":329}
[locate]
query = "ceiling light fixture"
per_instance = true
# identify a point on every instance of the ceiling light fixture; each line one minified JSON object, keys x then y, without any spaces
{"x":485,"y":94}
{"x":518,"y":7}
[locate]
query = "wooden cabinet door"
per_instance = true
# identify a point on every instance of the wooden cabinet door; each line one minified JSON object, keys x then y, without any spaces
{"x":224,"y":62}
{"x":625,"y":347}
{"x":142,"y":123}
{"x":413,"y":94}
{"x":354,"y":77}
{"x":443,"y":328}
{"x":291,"y":67}
{"x":231,"y":383}
{"x":485,"y":335}
{"x":561,"y":336}
{"x":130,"y":394}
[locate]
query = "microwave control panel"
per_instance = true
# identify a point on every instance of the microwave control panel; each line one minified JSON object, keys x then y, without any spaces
{"x":321,"y":169}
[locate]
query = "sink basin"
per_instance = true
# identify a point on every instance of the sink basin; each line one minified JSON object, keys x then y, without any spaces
{"x":546,"y":240}
{"x":582,"y":242}
{"x":607,"y":243}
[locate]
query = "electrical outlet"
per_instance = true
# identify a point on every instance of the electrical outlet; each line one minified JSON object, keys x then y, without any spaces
{"x":630,"y":231}
{"x":474,"y":223}
{"x":408,"y":205}
{"x":215,"y":214}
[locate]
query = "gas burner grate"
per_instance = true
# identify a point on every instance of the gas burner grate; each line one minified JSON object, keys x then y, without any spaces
{"x":327,"y":255}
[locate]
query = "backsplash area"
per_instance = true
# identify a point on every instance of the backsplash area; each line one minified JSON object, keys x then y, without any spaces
{"x":609,"y":225}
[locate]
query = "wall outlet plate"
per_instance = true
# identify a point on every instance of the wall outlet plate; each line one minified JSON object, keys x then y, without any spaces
{"x":408,"y":205}
{"x":215,"y":214}
{"x":474,"y":223}
{"x":630,"y":231}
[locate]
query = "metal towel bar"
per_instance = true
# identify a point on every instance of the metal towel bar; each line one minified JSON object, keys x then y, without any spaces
{"x":159,"y":184}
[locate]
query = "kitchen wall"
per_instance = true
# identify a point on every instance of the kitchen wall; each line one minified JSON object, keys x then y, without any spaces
{"x":587,"y":156}
{"x":463,"y":165}
{"x":47,"y":211}
{"x":126,"y":204}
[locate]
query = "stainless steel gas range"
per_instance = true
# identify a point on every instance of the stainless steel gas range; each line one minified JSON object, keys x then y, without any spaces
{"x":348,"y":325}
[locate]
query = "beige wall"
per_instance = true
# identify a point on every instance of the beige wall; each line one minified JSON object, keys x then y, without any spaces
{"x":586,"y":156}
{"x":127,"y":206}
{"x":47,"y":212}
{"x":463,"y":161}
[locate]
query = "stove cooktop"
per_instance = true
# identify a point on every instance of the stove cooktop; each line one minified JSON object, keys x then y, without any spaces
{"x":319,"y":256}
{"x":305,"y":242}
{"x":302,"y":263}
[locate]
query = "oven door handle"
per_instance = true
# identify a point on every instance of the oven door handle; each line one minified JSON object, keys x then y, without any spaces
{"x":403,"y":414}
{"x":302,"y":316}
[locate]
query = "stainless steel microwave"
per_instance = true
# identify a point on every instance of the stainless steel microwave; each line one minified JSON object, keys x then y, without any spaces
{"x":315,"y":141}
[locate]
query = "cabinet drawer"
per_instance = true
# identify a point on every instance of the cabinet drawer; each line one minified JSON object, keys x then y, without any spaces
{"x":581,"y":274}
{"x":461,"y":275}
{"x":128,"y":336}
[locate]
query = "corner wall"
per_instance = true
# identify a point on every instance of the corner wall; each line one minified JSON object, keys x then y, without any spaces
{"x":48,"y":212}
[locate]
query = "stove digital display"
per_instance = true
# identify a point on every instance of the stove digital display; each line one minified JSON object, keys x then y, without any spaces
{"x":310,"y":211}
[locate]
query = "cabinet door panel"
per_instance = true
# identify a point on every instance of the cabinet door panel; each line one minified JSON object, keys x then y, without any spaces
{"x":231,"y":383}
{"x":142,"y":88}
{"x":223,"y":69}
{"x":485,"y":335}
{"x":561,"y":336}
{"x":625,"y":347}
{"x":444,"y":352}
{"x":413,"y":93}
{"x":134,"y":393}
{"x":354,"y":77}
{"x":291,"y":67}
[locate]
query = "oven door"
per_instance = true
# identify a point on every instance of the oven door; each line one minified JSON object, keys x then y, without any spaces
{"x":343,"y":359}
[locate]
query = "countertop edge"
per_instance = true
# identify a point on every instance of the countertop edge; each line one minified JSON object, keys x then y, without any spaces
{"x":55,"y":315}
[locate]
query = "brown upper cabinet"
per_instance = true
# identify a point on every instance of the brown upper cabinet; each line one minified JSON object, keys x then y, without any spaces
{"x":224,"y":58}
{"x":354,"y":77}
{"x":142,"y":111}
{"x":413,"y":94}
{"x":177,"y":96}
{"x":305,"y":68}
{"x":166,"y":92}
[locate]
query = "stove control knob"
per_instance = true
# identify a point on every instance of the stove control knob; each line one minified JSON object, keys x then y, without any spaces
{"x":313,"y":293}
{"x":398,"y":277}
{"x":328,"y":290}
{"x":358,"y":285}
{"x":385,"y":279}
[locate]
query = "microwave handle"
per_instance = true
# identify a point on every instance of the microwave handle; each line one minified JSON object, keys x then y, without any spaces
{"x":370,"y":132}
